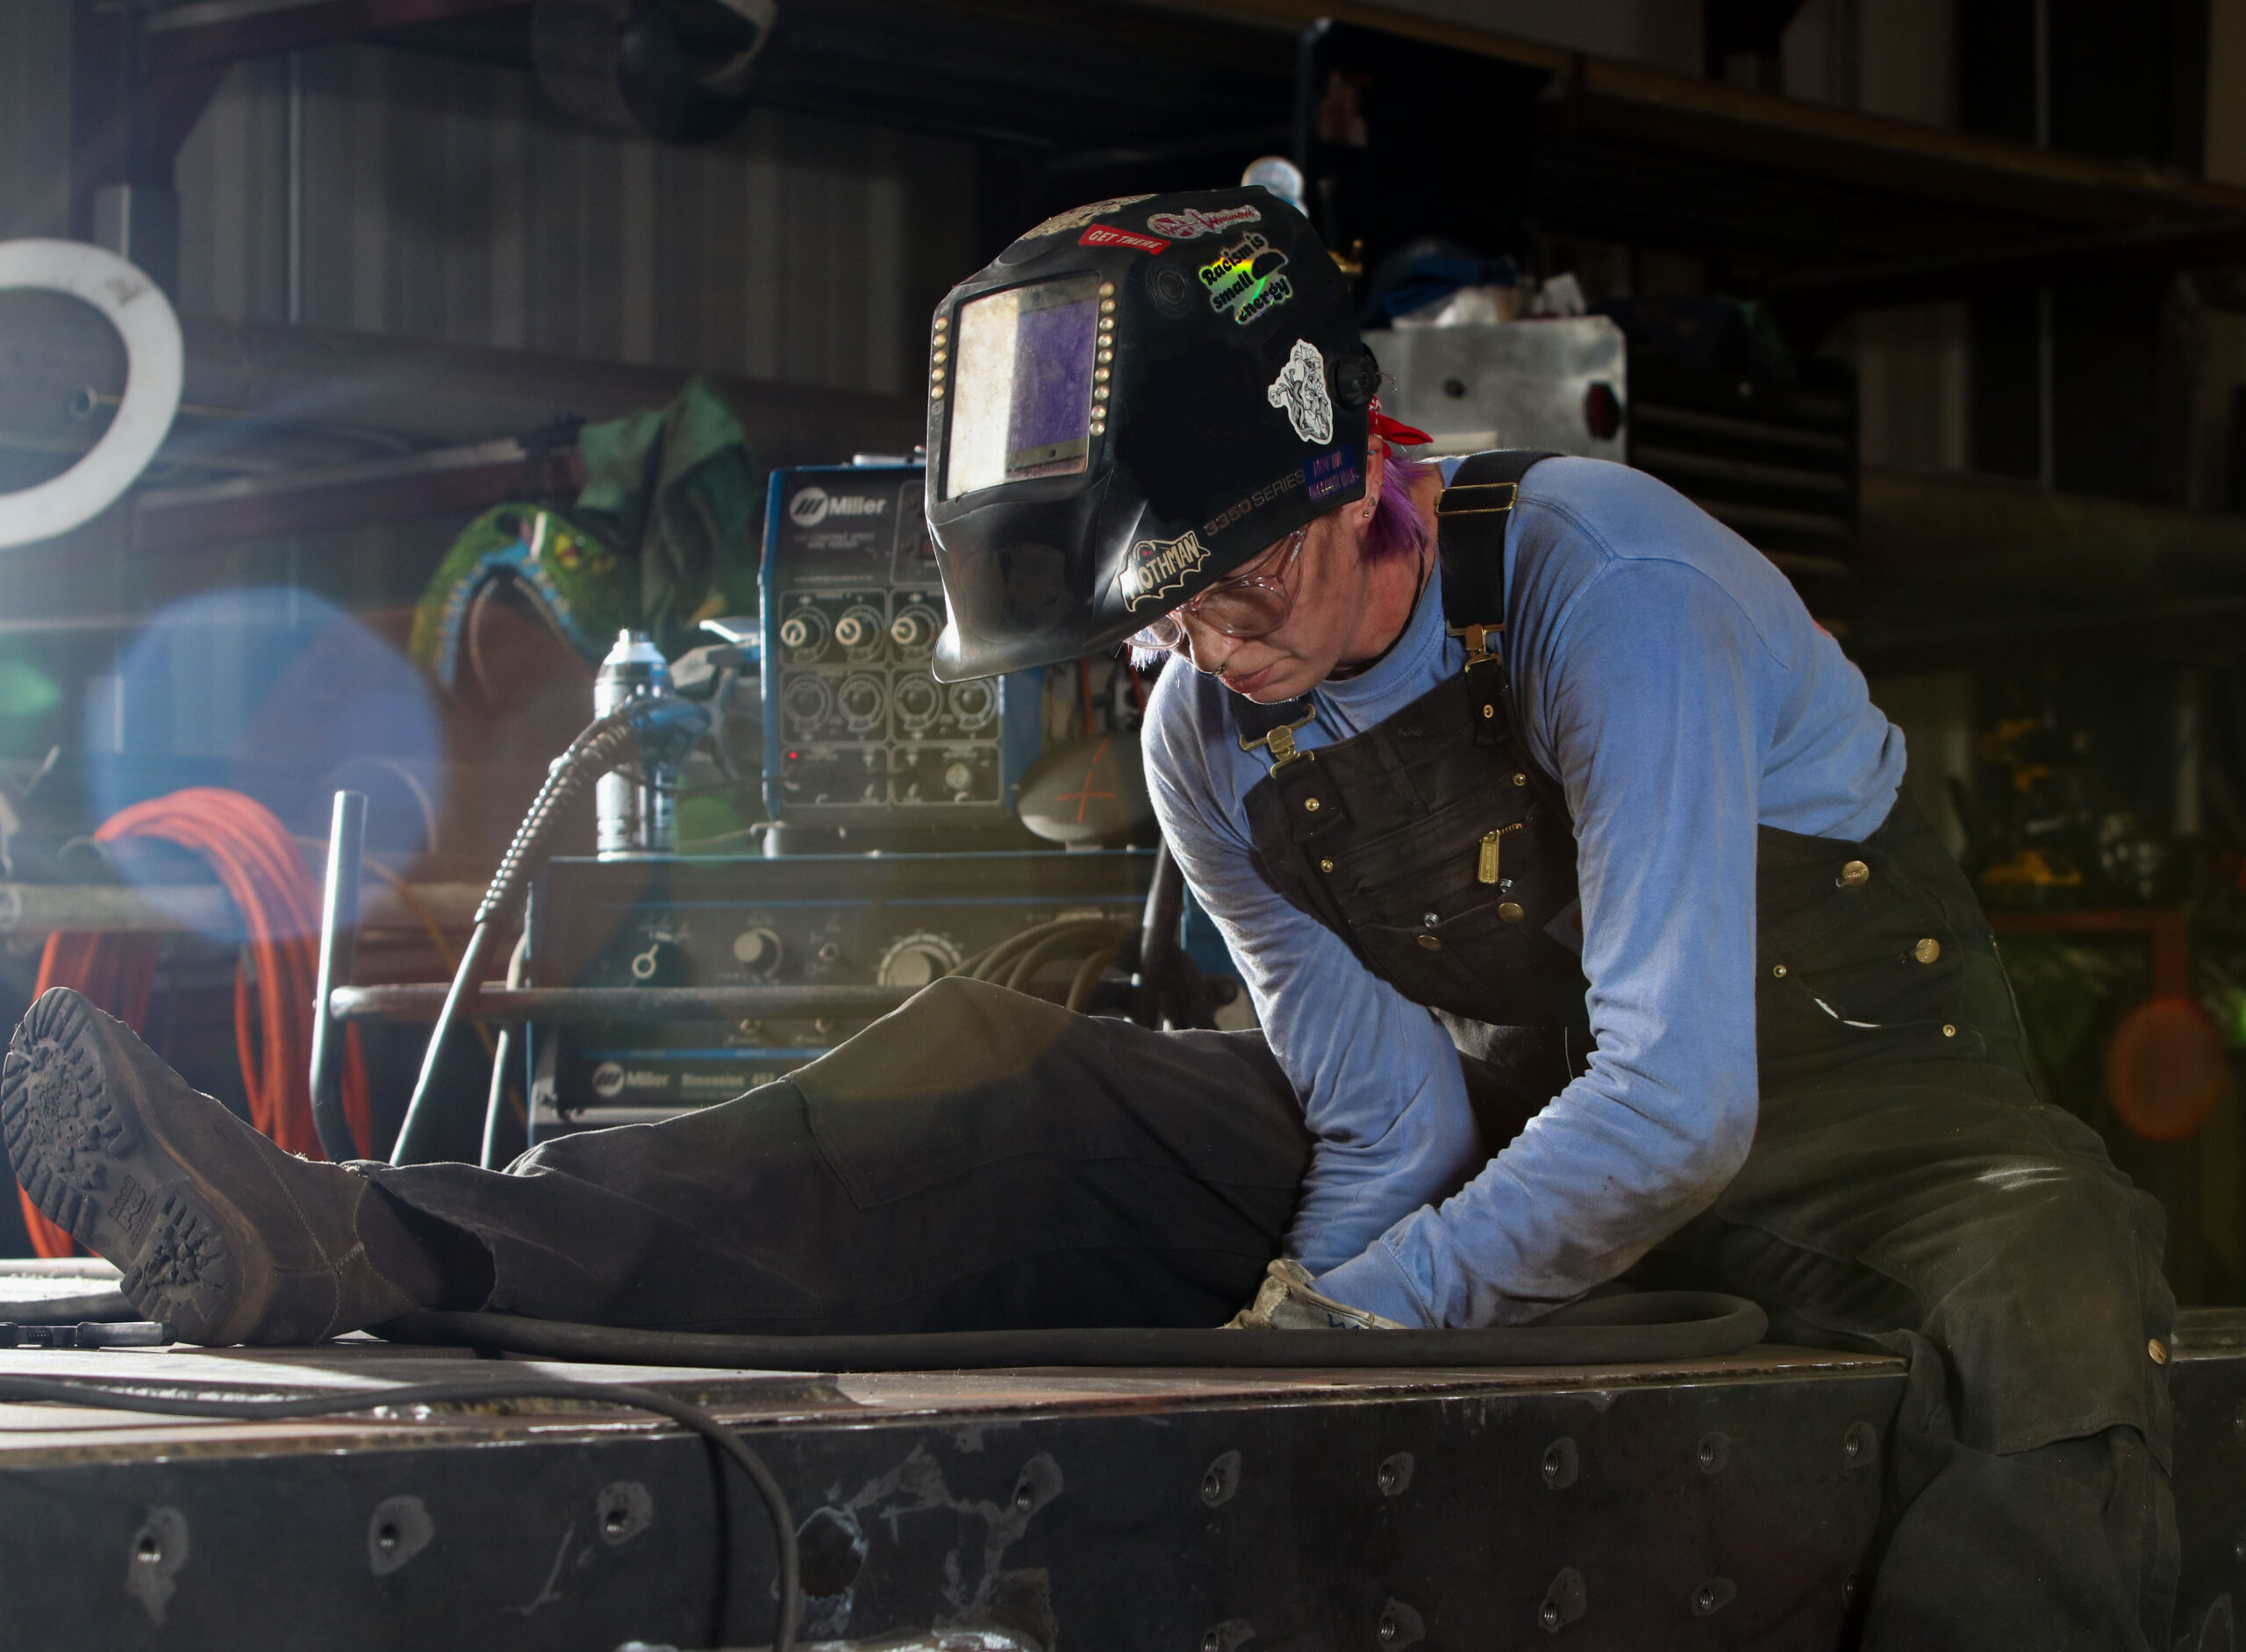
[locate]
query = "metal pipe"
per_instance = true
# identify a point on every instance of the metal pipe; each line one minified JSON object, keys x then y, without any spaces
{"x":40,"y":909}
{"x":422,"y":1001}
{"x":338,"y":941}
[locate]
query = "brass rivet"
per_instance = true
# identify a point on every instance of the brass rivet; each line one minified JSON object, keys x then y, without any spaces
{"x":1489,"y":710}
{"x":1854,"y":875}
{"x":1928,"y":950}
{"x":1107,"y":306}
{"x":1520,"y":780}
{"x":1431,"y":943}
{"x":1311,"y":803}
{"x":1947,"y":1031}
{"x":1779,"y":970}
{"x":1100,"y":395}
{"x":1326,"y":866}
{"x":1510,"y":911}
{"x":2158,"y":1349}
{"x":1101,"y":375}
{"x":936,"y":373}
{"x":1105,"y":356}
{"x":1107,"y":289}
{"x":937,"y":393}
{"x":942,"y":323}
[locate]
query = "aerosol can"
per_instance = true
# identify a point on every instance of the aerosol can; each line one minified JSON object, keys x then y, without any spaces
{"x":637,"y":805}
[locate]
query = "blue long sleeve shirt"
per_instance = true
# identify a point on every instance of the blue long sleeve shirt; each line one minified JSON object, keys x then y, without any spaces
{"x":1671,"y":678}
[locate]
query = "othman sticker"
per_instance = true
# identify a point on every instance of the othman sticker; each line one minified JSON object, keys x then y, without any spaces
{"x":1108,"y":235}
{"x":1158,"y":566}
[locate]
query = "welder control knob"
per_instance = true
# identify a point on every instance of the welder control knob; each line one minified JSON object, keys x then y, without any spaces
{"x":917,"y":959}
{"x":757,"y":951}
{"x":914,"y":630}
{"x":863,"y":701}
{"x":804,"y":629}
{"x":859,"y":628}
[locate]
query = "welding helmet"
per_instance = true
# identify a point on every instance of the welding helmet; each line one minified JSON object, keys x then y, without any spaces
{"x":1136,"y":397}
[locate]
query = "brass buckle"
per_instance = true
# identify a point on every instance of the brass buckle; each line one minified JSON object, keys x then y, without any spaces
{"x":1280,"y":742}
{"x":1477,"y":640}
{"x":1444,"y":507}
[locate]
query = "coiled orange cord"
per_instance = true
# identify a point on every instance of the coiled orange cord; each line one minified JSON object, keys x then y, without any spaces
{"x":261,"y":869}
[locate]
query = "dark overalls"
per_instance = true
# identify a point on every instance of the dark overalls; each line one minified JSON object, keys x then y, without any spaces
{"x":984,"y":1159}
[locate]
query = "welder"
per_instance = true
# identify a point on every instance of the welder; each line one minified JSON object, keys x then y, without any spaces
{"x":1591,"y":935}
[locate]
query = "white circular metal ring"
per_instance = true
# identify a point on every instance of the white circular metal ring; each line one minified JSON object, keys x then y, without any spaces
{"x":155,"y":367}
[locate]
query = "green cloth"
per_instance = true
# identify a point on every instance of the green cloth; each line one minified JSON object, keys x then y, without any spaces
{"x":679,"y":490}
{"x":663,"y":534}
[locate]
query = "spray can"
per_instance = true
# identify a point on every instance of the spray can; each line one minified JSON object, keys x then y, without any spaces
{"x":636,"y":806}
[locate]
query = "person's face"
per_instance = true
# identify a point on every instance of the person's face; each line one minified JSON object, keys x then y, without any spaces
{"x":1325,"y":580}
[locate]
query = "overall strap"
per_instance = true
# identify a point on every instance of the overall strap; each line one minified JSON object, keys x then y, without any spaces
{"x":1471,"y":517}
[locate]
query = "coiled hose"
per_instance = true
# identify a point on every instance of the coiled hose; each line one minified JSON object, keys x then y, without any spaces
{"x":599,"y":749}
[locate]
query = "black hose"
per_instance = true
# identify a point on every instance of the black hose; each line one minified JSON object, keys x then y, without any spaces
{"x":591,"y":755}
{"x":691,"y":1416}
{"x":1628,"y":1329}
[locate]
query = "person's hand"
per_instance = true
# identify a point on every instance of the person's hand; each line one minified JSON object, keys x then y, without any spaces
{"x":1286,"y":1302}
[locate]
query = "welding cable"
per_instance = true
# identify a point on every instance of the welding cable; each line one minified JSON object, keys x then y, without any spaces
{"x":1034,"y":958}
{"x":1628,"y":1328}
{"x":605,"y":741}
{"x":101,"y":1396}
{"x":262,"y":870}
{"x":1086,"y":981}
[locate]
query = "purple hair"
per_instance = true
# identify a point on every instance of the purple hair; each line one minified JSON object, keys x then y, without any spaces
{"x":1397,"y":529}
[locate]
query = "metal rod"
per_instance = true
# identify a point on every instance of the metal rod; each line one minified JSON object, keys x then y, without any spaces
{"x":422,"y":1001}
{"x":338,"y":942}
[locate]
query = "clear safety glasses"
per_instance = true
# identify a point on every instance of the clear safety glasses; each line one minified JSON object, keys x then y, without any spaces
{"x":1250,"y":605}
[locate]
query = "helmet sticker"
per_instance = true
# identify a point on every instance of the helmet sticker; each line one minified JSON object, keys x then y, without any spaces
{"x":1331,"y":473}
{"x":1190,"y":222}
{"x":1300,"y":389}
{"x":1077,"y":217}
{"x":1244,"y":280}
{"x":1157,"y":567}
{"x":1108,"y":235}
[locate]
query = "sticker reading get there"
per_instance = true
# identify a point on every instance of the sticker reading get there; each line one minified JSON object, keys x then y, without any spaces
{"x":1108,"y":235}
{"x":1244,"y":280}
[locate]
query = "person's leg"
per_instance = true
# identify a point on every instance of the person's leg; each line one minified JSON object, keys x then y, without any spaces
{"x":1950,"y":1218}
{"x":978,"y":1159}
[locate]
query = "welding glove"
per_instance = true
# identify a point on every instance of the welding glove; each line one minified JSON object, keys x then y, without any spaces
{"x":1286,"y":1302}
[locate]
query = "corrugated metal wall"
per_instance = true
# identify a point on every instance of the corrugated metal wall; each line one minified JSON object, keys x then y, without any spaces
{"x":444,"y":199}
{"x":34,"y":118}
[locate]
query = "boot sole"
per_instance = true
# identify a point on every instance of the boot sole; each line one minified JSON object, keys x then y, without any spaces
{"x":97,"y":1168}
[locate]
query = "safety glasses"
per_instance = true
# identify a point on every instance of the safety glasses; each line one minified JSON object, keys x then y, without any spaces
{"x":1248,"y":605}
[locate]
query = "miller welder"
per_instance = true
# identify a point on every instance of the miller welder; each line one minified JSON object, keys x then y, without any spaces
{"x":893,"y":853}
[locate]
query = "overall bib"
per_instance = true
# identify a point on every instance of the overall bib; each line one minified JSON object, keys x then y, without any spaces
{"x":1906,"y":1187}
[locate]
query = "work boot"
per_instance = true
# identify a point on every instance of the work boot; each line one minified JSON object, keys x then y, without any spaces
{"x":220,"y":1234}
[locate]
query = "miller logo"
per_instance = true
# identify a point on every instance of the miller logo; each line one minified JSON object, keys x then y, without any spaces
{"x":1159,"y":567}
{"x":608,"y":1081}
{"x":813,"y":506}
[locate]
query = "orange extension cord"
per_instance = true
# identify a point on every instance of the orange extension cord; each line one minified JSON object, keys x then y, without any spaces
{"x":262,"y":868}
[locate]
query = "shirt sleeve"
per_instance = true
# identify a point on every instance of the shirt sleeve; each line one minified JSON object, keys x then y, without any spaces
{"x":1378,"y":1077}
{"x":1647,"y":696}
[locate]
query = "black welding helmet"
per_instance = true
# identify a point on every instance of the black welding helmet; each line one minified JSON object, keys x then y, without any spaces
{"x":1135,"y":399}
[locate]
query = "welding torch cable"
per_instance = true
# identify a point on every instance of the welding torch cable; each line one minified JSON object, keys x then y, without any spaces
{"x":1087,"y":976}
{"x":495,"y":1106}
{"x":103,"y":1396}
{"x":988,"y":964}
{"x":1034,"y":958}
